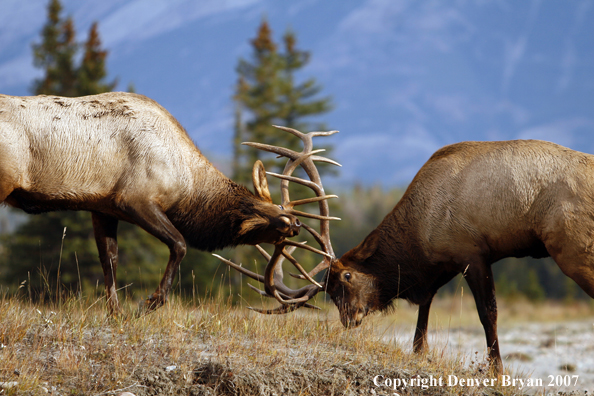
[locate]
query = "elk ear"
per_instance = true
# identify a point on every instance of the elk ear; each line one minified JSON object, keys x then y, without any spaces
{"x":260,"y":182}
{"x":366,"y":248}
{"x":252,"y":224}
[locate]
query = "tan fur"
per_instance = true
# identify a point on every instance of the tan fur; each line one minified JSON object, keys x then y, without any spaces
{"x":124,"y":157}
{"x":470,"y":205}
{"x":91,"y":147}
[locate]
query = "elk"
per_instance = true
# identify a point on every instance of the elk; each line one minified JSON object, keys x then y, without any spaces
{"x":122,"y":156}
{"x":470,"y":205}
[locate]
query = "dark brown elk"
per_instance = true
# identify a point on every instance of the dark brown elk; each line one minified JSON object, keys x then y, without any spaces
{"x":469,"y":206}
{"x":122,"y":156}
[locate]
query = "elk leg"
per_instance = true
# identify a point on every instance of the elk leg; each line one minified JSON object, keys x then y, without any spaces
{"x":153,"y":220}
{"x":480,"y":280}
{"x":105,"y":229}
{"x":420,"y":340}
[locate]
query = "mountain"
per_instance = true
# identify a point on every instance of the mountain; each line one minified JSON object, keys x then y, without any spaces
{"x":407,"y":77}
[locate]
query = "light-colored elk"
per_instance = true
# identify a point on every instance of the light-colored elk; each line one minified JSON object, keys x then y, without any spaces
{"x":122,"y":156}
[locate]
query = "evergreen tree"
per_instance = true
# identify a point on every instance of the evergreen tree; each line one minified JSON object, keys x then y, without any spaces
{"x":266,"y":94}
{"x":92,"y":69}
{"x":298,"y":100}
{"x":55,"y":54}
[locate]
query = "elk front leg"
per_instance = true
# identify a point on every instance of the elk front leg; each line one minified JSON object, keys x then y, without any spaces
{"x":420,"y":340}
{"x":480,"y":280}
{"x":105,"y":229}
{"x":153,"y":220}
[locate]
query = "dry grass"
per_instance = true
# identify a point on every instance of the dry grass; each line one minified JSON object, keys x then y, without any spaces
{"x":460,"y":311}
{"x":211,"y":349}
{"x":457,"y":311}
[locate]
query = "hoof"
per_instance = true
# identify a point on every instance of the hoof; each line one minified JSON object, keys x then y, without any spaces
{"x":149,"y":305}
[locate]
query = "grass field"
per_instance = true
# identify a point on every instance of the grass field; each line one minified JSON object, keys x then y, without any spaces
{"x":212,"y":348}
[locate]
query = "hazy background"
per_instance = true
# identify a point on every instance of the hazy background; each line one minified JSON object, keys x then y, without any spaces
{"x":406,"y":77}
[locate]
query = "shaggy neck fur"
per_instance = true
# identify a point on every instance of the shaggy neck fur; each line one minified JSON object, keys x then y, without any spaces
{"x":214,"y":222}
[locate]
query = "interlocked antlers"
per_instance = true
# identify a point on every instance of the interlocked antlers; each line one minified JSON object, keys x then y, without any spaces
{"x":273,"y":275}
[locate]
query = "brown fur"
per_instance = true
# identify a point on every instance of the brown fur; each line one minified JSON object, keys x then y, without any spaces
{"x":122,"y":156}
{"x":470,"y":205}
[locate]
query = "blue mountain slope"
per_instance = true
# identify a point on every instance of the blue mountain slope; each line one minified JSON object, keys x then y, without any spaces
{"x":407,"y":77}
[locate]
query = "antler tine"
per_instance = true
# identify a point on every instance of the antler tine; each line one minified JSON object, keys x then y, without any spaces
{"x":285,"y":152}
{"x":324,"y":133}
{"x":311,"y":200}
{"x":322,"y":265}
{"x":299,"y":180}
{"x":324,"y":159}
{"x":295,"y":132}
{"x":307,"y":247}
{"x":312,"y":216}
{"x":241,"y":269}
{"x":301,"y":269}
{"x":283,"y":309}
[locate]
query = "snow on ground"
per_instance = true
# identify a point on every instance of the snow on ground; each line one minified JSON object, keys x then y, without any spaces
{"x":560,"y":354}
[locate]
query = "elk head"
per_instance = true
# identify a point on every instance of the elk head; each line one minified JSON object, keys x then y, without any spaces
{"x":273,"y":275}
{"x":352,"y":287}
{"x":268,"y":222}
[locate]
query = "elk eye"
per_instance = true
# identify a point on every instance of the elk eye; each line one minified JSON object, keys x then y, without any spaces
{"x":347,"y":276}
{"x":281,"y":207}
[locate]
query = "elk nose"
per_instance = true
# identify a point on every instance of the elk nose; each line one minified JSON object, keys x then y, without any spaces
{"x":295,"y":227}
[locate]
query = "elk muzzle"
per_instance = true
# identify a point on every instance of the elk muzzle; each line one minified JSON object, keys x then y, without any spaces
{"x":293,"y":226}
{"x":351,"y":317}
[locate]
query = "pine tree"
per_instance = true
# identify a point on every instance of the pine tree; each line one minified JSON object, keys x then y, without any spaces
{"x":55,"y":54}
{"x":266,"y":94}
{"x":298,"y":101}
{"x":92,"y":69}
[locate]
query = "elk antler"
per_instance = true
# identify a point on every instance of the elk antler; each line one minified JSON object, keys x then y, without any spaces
{"x":273,"y":274}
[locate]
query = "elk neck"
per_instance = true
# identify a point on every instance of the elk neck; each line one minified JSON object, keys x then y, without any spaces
{"x":211,"y":215}
{"x":399,"y":266}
